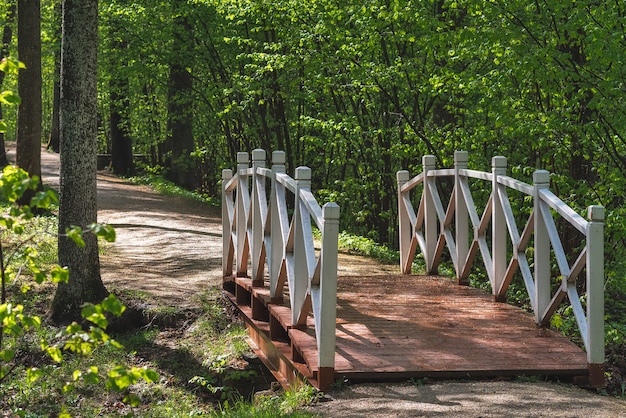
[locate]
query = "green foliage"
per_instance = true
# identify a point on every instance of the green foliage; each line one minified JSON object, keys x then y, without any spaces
{"x":166,"y":187}
{"x":18,"y":324}
{"x":367,"y":247}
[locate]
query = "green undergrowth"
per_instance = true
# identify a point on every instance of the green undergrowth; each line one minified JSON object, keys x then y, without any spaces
{"x":201,"y":362}
{"x":166,"y":187}
{"x":204,"y":365}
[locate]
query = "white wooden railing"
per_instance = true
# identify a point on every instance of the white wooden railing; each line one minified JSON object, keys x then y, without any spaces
{"x":494,"y":233}
{"x":258,"y":231}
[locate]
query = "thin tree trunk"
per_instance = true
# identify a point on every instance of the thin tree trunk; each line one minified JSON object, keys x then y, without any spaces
{"x":28,"y":150}
{"x":7,"y":36}
{"x":54,"y":138}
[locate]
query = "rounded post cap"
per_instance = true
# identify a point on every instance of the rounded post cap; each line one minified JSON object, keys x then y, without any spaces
{"x":258,"y":155}
{"x":242,"y":157}
{"x":279,"y":157}
{"x":403,"y":175}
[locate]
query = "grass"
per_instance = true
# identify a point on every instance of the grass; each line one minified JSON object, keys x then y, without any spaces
{"x":166,"y":187}
{"x":202,"y":359}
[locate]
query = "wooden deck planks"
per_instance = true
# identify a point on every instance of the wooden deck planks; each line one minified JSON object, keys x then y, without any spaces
{"x":401,"y":326}
{"x":431,"y":324}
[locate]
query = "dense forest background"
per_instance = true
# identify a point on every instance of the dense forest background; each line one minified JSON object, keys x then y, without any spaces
{"x":357,"y":90}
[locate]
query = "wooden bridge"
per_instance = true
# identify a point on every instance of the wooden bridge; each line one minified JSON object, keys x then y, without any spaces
{"x":306,"y":323}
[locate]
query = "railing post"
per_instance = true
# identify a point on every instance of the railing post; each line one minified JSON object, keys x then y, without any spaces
{"x":541,"y":179}
{"x":595,"y":295}
{"x":498,"y":226}
{"x":278,"y":231}
{"x":259,"y":210}
{"x":404,"y":225}
{"x":461,"y":220}
{"x":300,"y":266}
{"x":328,"y":296}
{"x":430,"y":213}
{"x":227,"y":226}
{"x":242,"y":213}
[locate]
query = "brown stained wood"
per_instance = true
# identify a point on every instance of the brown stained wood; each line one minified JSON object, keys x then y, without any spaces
{"x":410,"y":324}
{"x":401,"y":326}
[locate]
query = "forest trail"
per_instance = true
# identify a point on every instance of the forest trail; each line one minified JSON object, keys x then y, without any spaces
{"x":169,"y":249}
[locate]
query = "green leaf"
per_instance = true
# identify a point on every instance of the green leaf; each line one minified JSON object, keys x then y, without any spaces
{"x":33,"y":374}
{"x":55,"y":354}
{"x":31,"y":321}
{"x":91,"y":376}
{"x":9,"y":98}
{"x":113,"y":305}
{"x":150,"y":375}
{"x":59,"y":274}
{"x":7,"y":355}
{"x":132,"y":399}
{"x":64,"y":413}
{"x":10,"y":65}
{"x":93,"y":313}
{"x":75,"y":233}
{"x":103,"y":230}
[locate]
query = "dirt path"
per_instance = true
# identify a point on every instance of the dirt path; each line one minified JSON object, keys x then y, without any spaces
{"x":170,"y":249}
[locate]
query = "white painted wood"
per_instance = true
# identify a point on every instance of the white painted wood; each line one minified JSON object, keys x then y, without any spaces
{"x":498,"y":225}
{"x":461,"y":222}
{"x":541,"y":180}
{"x":242,"y":213}
{"x":565,"y":211}
{"x":430,"y":213}
{"x":326,"y":316}
{"x":259,"y":214}
{"x":227,"y":224}
{"x":412,"y":183}
{"x":595,"y":284}
{"x":405,"y":226}
{"x":555,"y":240}
{"x":298,"y":283}
{"x":514,"y":184}
{"x":279,"y":231}
{"x":256,"y":223}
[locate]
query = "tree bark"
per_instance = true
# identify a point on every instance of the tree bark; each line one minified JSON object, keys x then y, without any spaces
{"x":54,"y":141}
{"x":7,"y":36}
{"x":77,"y":192}
{"x":28,"y":149}
{"x":121,"y":142}
{"x":180,"y":106}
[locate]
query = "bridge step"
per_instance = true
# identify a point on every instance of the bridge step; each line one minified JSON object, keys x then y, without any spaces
{"x":401,"y":327}
{"x":289,"y":353}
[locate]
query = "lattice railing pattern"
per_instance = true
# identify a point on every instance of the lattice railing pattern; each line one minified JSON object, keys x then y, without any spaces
{"x":259,"y":231}
{"x":493,"y":232}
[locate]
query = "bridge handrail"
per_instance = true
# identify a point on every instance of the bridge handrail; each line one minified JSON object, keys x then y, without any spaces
{"x":257,"y":229}
{"x":434,"y":227}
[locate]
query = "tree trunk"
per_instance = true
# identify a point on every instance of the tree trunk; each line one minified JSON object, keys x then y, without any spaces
{"x":78,"y":125}
{"x":7,"y":36}
{"x":54,"y":138}
{"x":121,"y":142}
{"x":28,"y":150}
{"x":180,"y":110}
